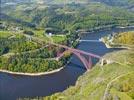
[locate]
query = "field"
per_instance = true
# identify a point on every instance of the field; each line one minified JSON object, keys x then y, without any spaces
{"x":5,"y":34}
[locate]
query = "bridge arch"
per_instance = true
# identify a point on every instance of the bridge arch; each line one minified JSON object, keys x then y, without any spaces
{"x":87,"y":62}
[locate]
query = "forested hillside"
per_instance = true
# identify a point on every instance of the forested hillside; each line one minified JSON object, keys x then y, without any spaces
{"x":124,"y":38}
{"x":109,"y":2}
{"x":117,"y":2}
{"x":70,"y":17}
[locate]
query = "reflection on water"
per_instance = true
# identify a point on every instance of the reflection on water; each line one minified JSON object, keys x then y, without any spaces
{"x":14,"y":86}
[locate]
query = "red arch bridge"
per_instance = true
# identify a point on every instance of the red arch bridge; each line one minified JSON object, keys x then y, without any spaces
{"x":85,"y":57}
{"x":87,"y":62}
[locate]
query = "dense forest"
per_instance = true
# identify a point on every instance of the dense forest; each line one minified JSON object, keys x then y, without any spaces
{"x":21,"y":55}
{"x":72,"y":16}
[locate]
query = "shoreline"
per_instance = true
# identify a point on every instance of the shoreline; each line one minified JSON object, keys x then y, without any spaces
{"x":114,"y":46}
{"x":31,"y":74}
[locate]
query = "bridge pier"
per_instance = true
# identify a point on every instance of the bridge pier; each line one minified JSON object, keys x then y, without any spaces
{"x":90,"y":62}
{"x":87,"y":62}
{"x":105,"y":62}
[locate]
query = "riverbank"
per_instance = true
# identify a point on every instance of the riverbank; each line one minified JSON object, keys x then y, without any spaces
{"x":122,"y":40}
{"x":34,"y":74}
{"x":108,"y":45}
{"x":103,"y":28}
{"x":31,"y":74}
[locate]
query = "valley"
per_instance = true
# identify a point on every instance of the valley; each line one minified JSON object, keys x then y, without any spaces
{"x":66,"y":50}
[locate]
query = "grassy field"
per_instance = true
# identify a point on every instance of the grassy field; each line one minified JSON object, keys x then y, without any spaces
{"x":123,"y":87}
{"x":37,"y":33}
{"x":59,"y":39}
{"x":55,"y":38}
{"x":5,"y":34}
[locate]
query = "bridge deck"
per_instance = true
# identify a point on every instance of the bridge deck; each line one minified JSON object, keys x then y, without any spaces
{"x":89,"y":40}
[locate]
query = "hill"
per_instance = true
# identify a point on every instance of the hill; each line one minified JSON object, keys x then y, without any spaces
{"x":69,"y":17}
{"x":109,"y":2}
{"x":124,"y":38}
{"x":117,"y":2}
{"x":109,"y":82}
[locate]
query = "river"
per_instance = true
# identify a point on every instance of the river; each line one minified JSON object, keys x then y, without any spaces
{"x":15,"y":86}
